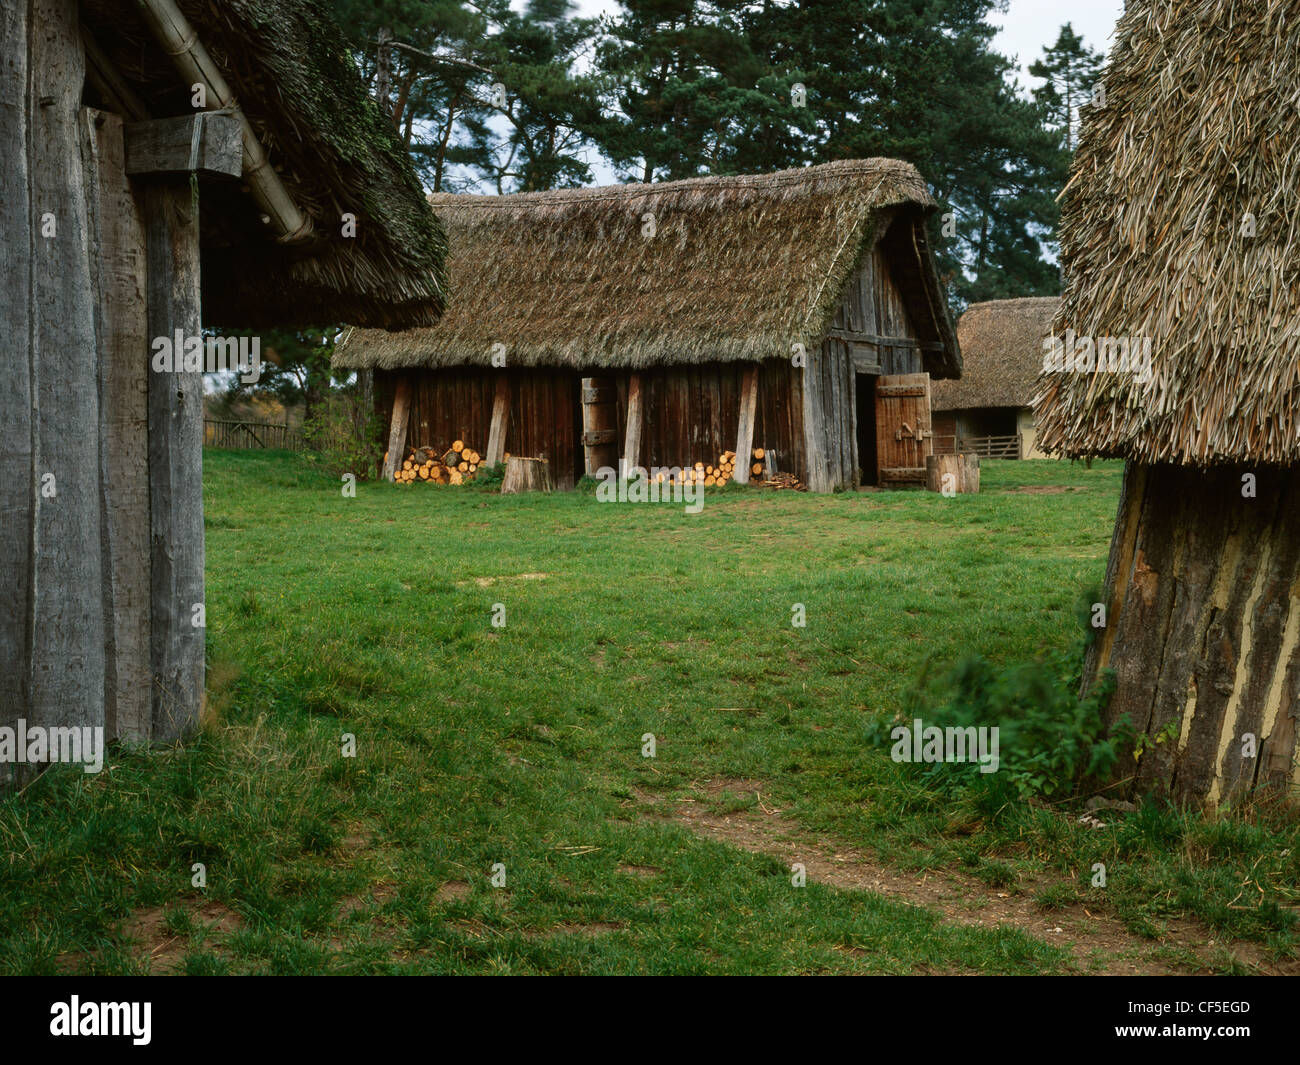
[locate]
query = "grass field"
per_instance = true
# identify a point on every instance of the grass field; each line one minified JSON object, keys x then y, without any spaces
{"x":520,"y":746}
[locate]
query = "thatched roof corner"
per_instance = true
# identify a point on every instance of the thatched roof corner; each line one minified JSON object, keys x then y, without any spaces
{"x":1181,"y":224}
{"x":1002,"y":353}
{"x":714,"y":269}
{"x":289,"y":66}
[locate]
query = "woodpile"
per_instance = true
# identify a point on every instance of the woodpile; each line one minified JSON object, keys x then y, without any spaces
{"x":456,"y":465}
{"x":785,"y":481}
{"x":714,"y":475}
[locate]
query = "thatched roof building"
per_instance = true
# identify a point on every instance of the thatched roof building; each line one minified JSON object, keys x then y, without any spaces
{"x":718,"y":273}
{"x":287,"y":64}
{"x":1180,"y":229}
{"x":737,"y":269}
{"x":1180,"y":224}
{"x":128,"y":128}
{"x":1002,"y":354}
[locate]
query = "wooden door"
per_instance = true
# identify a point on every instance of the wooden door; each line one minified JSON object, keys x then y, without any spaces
{"x":903,"y":433}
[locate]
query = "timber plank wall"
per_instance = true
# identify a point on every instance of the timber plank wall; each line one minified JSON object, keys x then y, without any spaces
{"x":690,"y":413}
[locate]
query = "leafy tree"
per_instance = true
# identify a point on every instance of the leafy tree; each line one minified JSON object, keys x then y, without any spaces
{"x":689,"y":94}
{"x":541,"y":113}
{"x":918,"y":80}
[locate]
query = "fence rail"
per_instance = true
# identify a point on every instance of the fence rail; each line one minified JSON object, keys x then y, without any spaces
{"x":243,"y":434}
{"x":986,"y":447}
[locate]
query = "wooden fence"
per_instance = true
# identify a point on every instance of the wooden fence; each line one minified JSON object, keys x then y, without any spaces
{"x":986,"y":447}
{"x":236,"y":434}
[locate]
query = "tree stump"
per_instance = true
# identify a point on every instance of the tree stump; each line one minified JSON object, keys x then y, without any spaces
{"x":527,"y":475}
{"x":962,"y":473}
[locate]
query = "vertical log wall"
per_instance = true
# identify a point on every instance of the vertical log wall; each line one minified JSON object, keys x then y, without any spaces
{"x":1203,"y":627}
{"x":52,"y":623}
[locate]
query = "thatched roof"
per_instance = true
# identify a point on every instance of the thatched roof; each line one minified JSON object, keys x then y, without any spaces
{"x":288,"y":64}
{"x":1198,"y":144}
{"x":738,"y":268}
{"x":1001,"y":354}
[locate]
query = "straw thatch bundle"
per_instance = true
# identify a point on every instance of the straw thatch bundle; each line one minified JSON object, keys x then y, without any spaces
{"x":709,"y":269}
{"x":1001,"y":354}
{"x":289,"y":66}
{"x":1181,"y":222}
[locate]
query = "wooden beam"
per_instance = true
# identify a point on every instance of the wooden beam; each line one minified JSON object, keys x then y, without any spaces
{"x":175,"y":404}
{"x":397,"y":428}
{"x":209,"y":142}
{"x":745,"y":427}
{"x":121,"y":329}
{"x":496,"y":445}
{"x":632,"y":431}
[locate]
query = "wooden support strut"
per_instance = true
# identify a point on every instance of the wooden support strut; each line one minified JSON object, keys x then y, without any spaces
{"x":496,"y":444}
{"x":397,"y":429}
{"x":632,"y":433}
{"x":745,"y":427}
{"x":175,"y":405}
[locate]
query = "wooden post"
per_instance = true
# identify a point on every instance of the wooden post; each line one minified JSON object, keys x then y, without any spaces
{"x":632,"y":432}
{"x":51,"y":618}
{"x":526,"y":475}
{"x":397,"y":429}
{"x":121,"y":329}
{"x":745,"y":427}
{"x":963,"y":471}
{"x":171,"y":217}
{"x":599,"y":431}
{"x":496,"y":445}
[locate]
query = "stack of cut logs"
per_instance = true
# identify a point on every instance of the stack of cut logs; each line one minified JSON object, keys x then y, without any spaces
{"x":456,"y":465}
{"x":710,"y":476}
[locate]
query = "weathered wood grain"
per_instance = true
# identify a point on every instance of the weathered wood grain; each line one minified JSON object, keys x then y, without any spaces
{"x":121,"y":329}
{"x":175,"y":402}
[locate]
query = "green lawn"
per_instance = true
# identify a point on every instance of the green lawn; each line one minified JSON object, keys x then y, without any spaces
{"x":522,"y":744}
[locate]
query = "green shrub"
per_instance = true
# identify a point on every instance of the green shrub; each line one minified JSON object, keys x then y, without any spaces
{"x":1049,"y":740}
{"x":343,"y":437}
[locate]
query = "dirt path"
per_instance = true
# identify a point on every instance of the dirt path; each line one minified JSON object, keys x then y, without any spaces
{"x":1099,"y":942}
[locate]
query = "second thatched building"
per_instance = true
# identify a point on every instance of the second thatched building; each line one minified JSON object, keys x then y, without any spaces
{"x":989,"y":410}
{"x":661,"y":325}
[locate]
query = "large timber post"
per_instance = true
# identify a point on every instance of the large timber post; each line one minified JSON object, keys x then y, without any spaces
{"x":171,"y":215}
{"x":51,"y":620}
{"x":1202,"y":628}
{"x":162,"y":157}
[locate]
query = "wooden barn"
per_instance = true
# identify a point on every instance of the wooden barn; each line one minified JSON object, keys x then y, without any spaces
{"x":129,"y":128}
{"x":1181,"y":225}
{"x":662,"y":325}
{"x":989,"y":410}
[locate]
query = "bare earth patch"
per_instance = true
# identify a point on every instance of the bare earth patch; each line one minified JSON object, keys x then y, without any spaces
{"x":163,"y":950}
{"x":452,"y":890}
{"x":487,"y":582}
{"x":1100,"y":943}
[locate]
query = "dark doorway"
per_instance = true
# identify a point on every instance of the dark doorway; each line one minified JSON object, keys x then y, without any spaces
{"x":865,"y":398}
